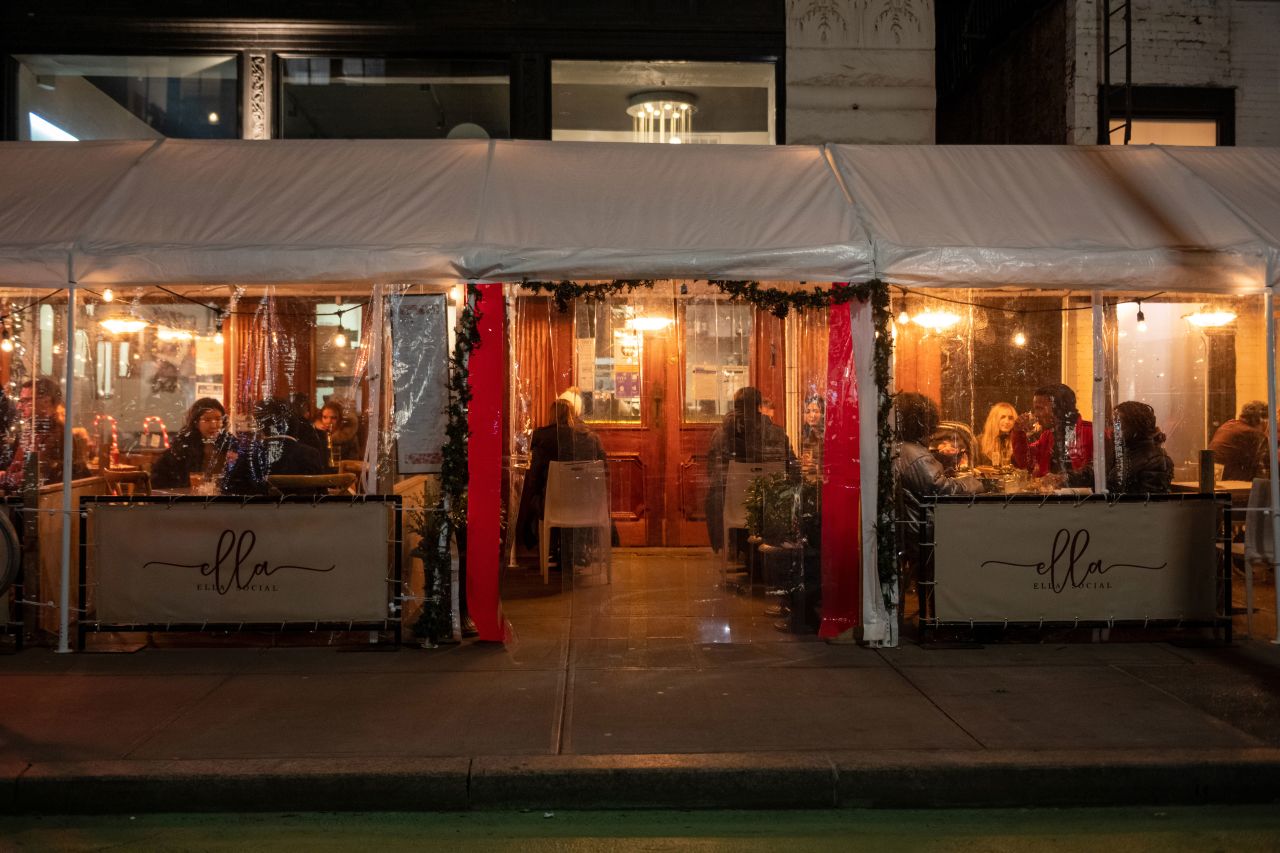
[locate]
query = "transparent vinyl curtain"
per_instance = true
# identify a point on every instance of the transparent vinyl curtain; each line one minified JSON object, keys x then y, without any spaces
{"x":667,"y":461}
{"x":192,"y":393}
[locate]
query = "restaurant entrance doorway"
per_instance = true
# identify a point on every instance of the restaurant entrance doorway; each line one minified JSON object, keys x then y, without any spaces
{"x":653,"y":375}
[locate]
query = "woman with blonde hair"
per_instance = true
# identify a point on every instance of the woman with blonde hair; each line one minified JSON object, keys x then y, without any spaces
{"x":996,"y":443}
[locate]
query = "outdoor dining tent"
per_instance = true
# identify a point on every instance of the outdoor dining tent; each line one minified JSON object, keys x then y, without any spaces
{"x":94,"y":214}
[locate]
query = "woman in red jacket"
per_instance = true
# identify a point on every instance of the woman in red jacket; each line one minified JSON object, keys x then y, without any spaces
{"x":1052,"y":439}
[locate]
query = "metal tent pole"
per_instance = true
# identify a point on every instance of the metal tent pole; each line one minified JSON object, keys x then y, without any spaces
{"x":1099,"y":397}
{"x":1268,"y":310}
{"x":68,"y":465}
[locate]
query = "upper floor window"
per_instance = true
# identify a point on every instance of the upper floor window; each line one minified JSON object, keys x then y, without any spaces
{"x":387,"y":98}
{"x":64,"y":97}
{"x":672,"y":102}
{"x":1171,"y":115}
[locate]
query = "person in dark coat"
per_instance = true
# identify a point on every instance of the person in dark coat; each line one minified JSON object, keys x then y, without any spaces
{"x":1139,"y":464}
{"x":272,"y":451}
{"x":1240,"y":444}
{"x":745,"y":435}
{"x":203,"y":447}
{"x":564,"y":439}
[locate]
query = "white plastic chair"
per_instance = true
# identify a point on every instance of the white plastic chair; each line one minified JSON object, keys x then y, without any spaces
{"x":577,"y":496}
{"x":737,"y":480}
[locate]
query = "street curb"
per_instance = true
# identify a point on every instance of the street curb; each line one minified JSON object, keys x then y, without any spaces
{"x":959,"y":779}
{"x":248,"y":785}
{"x":888,"y":779}
{"x":712,"y":781}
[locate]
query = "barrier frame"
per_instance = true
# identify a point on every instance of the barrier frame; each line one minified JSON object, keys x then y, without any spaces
{"x":391,"y":623}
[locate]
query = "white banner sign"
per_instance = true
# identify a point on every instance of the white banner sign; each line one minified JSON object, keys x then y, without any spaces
{"x":420,"y":377}
{"x":228,"y":562}
{"x":1088,"y":561}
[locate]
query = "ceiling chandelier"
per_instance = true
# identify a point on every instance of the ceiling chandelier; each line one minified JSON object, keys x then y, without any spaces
{"x":661,"y":116}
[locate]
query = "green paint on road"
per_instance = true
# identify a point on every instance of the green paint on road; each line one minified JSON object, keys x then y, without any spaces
{"x":1134,"y":830}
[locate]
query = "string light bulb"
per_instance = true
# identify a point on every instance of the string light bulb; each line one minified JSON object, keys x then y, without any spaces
{"x":1142,"y":318}
{"x":904,"y":318}
{"x":217,"y":335}
{"x":340,"y":339}
{"x":108,"y":295}
{"x":6,"y":343}
{"x":1019,"y":340}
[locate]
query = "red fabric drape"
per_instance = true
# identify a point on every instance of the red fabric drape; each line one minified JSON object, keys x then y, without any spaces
{"x":484,"y":465}
{"x":841,"y":490}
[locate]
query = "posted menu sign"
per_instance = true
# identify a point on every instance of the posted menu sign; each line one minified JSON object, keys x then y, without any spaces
{"x":1088,"y":561}
{"x":419,"y":378}
{"x":227,"y":562}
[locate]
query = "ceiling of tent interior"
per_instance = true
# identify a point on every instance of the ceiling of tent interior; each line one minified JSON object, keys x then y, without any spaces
{"x":312,"y":211}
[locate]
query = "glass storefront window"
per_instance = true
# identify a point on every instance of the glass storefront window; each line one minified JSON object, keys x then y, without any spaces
{"x":383,"y":98}
{"x":608,"y":350}
{"x":717,"y":340}
{"x":675,"y":102}
{"x":67,"y":98}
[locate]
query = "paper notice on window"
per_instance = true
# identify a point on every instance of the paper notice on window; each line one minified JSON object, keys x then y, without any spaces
{"x":419,"y":381}
{"x":208,"y":357}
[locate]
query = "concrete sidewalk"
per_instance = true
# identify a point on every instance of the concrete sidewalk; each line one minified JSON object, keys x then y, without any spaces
{"x":639,"y":712}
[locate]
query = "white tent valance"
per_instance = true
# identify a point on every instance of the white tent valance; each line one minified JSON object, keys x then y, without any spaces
{"x":283,"y":211}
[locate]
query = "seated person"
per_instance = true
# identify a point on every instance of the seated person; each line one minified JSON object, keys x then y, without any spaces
{"x":996,"y":443}
{"x":1139,"y":465}
{"x":1240,"y":444}
{"x":565,"y":438}
{"x":272,"y":451}
{"x":339,"y":430}
{"x":950,"y":449}
{"x":745,"y":435}
{"x":917,"y":472}
{"x":1053,"y":440}
{"x":203,"y":448}
{"x":40,"y":432}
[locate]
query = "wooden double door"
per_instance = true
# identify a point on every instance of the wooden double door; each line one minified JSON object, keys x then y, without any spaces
{"x":656,"y":381}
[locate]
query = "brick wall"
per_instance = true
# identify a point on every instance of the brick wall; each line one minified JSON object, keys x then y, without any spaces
{"x":860,"y":71}
{"x":1255,"y":26}
{"x":1182,"y":43}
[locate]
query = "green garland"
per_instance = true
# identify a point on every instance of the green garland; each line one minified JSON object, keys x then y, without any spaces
{"x":780,"y":302}
{"x":448,"y":518}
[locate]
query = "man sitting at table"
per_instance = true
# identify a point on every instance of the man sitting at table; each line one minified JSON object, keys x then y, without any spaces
{"x":1240,"y":444}
{"x":1052,"y":439}
{"x":916,"y":471}
{"x":272,"y":451}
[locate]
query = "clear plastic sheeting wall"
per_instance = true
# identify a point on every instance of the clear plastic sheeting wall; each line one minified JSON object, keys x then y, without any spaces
{"x":32,"y":419}
{"x":1188,"y":412}
{"x":667,"y":469}
{"x":1185,"y":374}
{"x":994,"y":395}
{"x":217,"y":394}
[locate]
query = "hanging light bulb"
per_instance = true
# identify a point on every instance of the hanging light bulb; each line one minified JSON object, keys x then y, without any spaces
{"x":904,"y":318}
{"x":217,"y":335}
{"x":340,"y":339}
{"x":6,"y":344}
{"x":108,"y":295}
{"x":1019,"y":340}
{"x":1142,"y":318}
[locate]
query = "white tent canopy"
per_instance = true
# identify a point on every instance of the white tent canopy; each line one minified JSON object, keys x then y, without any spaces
{"x":1056,"y":216}
{"x":280,"y":211}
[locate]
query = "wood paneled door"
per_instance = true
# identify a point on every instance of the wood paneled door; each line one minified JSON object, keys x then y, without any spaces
{"x":657,"y":375}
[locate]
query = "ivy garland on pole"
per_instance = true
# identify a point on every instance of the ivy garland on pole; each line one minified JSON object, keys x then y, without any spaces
{"x":448,"y":518}
{"x":781,"y":302}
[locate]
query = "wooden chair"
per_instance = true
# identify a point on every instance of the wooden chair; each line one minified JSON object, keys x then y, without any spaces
{"x":353,"y":466}
{"x":128,"y":482}
{"x":289,"y":484}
